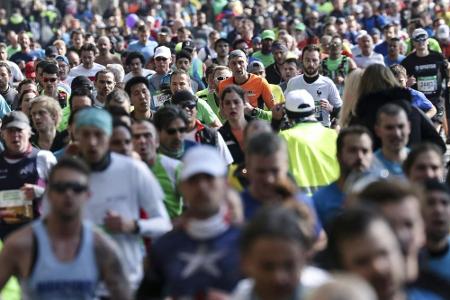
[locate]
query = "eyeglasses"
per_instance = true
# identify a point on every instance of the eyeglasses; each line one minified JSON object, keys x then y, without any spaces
{"x":62,"y":187}
{"x":189,"y":105}
{"x":52,"y":79}
{"x":161,"y":58}
{"x":221,"y":78}
{"x":173,"y":131}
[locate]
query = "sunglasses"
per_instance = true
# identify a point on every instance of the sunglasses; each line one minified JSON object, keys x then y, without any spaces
{"x":46,"y":79}
{"x":62,"y":187}
{"x":173,"y":131}
{"x":221,"y":78}
{"x":189,"y":105}
{"x":160,"y":58}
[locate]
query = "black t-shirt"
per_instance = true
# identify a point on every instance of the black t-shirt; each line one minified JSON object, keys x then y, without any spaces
{"x":273,"y":75}
{"x":429,"y":72}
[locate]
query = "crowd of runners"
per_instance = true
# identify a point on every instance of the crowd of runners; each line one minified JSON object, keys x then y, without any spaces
{"x":224,"y":150}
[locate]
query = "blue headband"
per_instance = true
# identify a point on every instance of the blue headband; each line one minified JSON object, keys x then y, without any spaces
{"x":95,"y":117}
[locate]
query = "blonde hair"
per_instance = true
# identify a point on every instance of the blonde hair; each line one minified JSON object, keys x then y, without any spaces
{"x":377,"y":78}
{"x":350,"y":96}
{"x":49,"y":104}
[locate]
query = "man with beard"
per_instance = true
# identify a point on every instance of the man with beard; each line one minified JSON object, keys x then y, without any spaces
{"x":222,"y":48}
{"x":104,"y":48}
{"x":265,"y":54}
{"x":104,"y":84}
{"x":337,"y":66}
{"x":6,"y":89}
{"x":354,"y":154}
{"x":326,"y":95}
{"x":392,"y":127}
{"x":88,"y":67}
{"x":274,"y":71}
{"x":436,"y":213}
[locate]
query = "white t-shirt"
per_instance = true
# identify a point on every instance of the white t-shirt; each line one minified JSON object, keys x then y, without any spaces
{"x":17,"y":75}
{"x":125,"y":187}
{"x":322,"y":88}
{"x":365,"y":61}
{"x":89,"y":73}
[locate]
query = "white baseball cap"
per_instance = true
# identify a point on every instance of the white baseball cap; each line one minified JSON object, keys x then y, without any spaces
{"x":203,"y":159}
{"x":163,"y":51}
{"x":299,"y":101}
{"x":443,"y":32}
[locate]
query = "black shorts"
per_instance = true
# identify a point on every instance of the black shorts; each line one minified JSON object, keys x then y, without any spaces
{"x":439,"y":103}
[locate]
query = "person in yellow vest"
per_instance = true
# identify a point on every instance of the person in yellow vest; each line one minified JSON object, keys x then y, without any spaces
{"x":311,"y":146}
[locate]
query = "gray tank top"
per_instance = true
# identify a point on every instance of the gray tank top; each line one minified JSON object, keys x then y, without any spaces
{"x":52,"y":279}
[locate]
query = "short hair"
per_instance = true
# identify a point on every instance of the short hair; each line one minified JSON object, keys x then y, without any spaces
{"x":388,"y":191}
{"x":398,"y":70}
{"x":51,"y":105}
{"x":136,"y":80}
{"x":292,"y":60}
{"x":416,"y":151}
{"x":167,"y":114}
{"x":133,"y":55}
{"x":310,"y":48}
{"x":142,"y":27}
{"x":117,"y":112}
{"x":3,"y":46}
{"x":237,"y":42}
{"x":233,"y":88}
{"x":59,"y":42}
{"x":179,"y":72}
{"x":41,"y":65}
{"x":265,"y":144}
{"x":50,"y":68}
{"x":119,"y":123}
{"x":434,"y":185}
{"x":76,"y":31}
{"x":88,"y":47}
{"x":117,"y":95}
{"x":273,"y":221}
{"x":352,"y":130}
{"x":103,"y":72}
{"x":389,"y":109}
{"x":71,"y":163}
{"x":184,"y":54}
{"x":350,"y":224}
{"x":24,"y":82}
{"x":80,"y":92}
{"x":6,"y":66}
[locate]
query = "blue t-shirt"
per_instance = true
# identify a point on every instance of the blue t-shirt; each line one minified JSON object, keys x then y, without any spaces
{"x":389,"y":62}
{"x":147,"y":50}
{"x":437,"y":263}
{"x":394,"y":168}
{"x":419,"y":100}
{"x":251,"y":205}
{"x":328,"y":202}
{"x":381,"y":48}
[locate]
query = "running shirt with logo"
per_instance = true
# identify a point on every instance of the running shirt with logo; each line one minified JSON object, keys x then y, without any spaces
{"x":429,"y":72}
{"x":52,"y":279}
{"x":256,"y":88}
{"x":322,"y":88}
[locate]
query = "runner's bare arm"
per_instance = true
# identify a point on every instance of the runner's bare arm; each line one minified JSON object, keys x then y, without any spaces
{"x":111,"y":269}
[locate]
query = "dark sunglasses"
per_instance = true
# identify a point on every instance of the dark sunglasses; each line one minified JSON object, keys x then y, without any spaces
{"x":161,"y":58}
{"x":173,"y":131}
{"x":220,"y":78}
{"x":62,"y":187}
{"x":189,"y":105}
{"x":46,"y":79}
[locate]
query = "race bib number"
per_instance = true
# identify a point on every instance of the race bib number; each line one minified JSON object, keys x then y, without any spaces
{"x":17,"y":208}
{"x":427,"y":84}
{"x":318,"y":110}
{"x":160,"y":99}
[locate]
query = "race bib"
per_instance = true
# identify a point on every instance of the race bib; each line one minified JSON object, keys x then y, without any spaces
{"x":18,"y":208}
{"x":427,"y":84}
{"x":160,"y":99}
{"x":318,"y":110}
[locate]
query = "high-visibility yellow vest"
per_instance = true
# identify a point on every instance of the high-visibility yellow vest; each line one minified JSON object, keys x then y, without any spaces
{"x":312,"y":155}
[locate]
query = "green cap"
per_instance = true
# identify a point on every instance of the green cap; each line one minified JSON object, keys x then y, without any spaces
{"x":300,"y":26}
{"x":268,"y":34}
